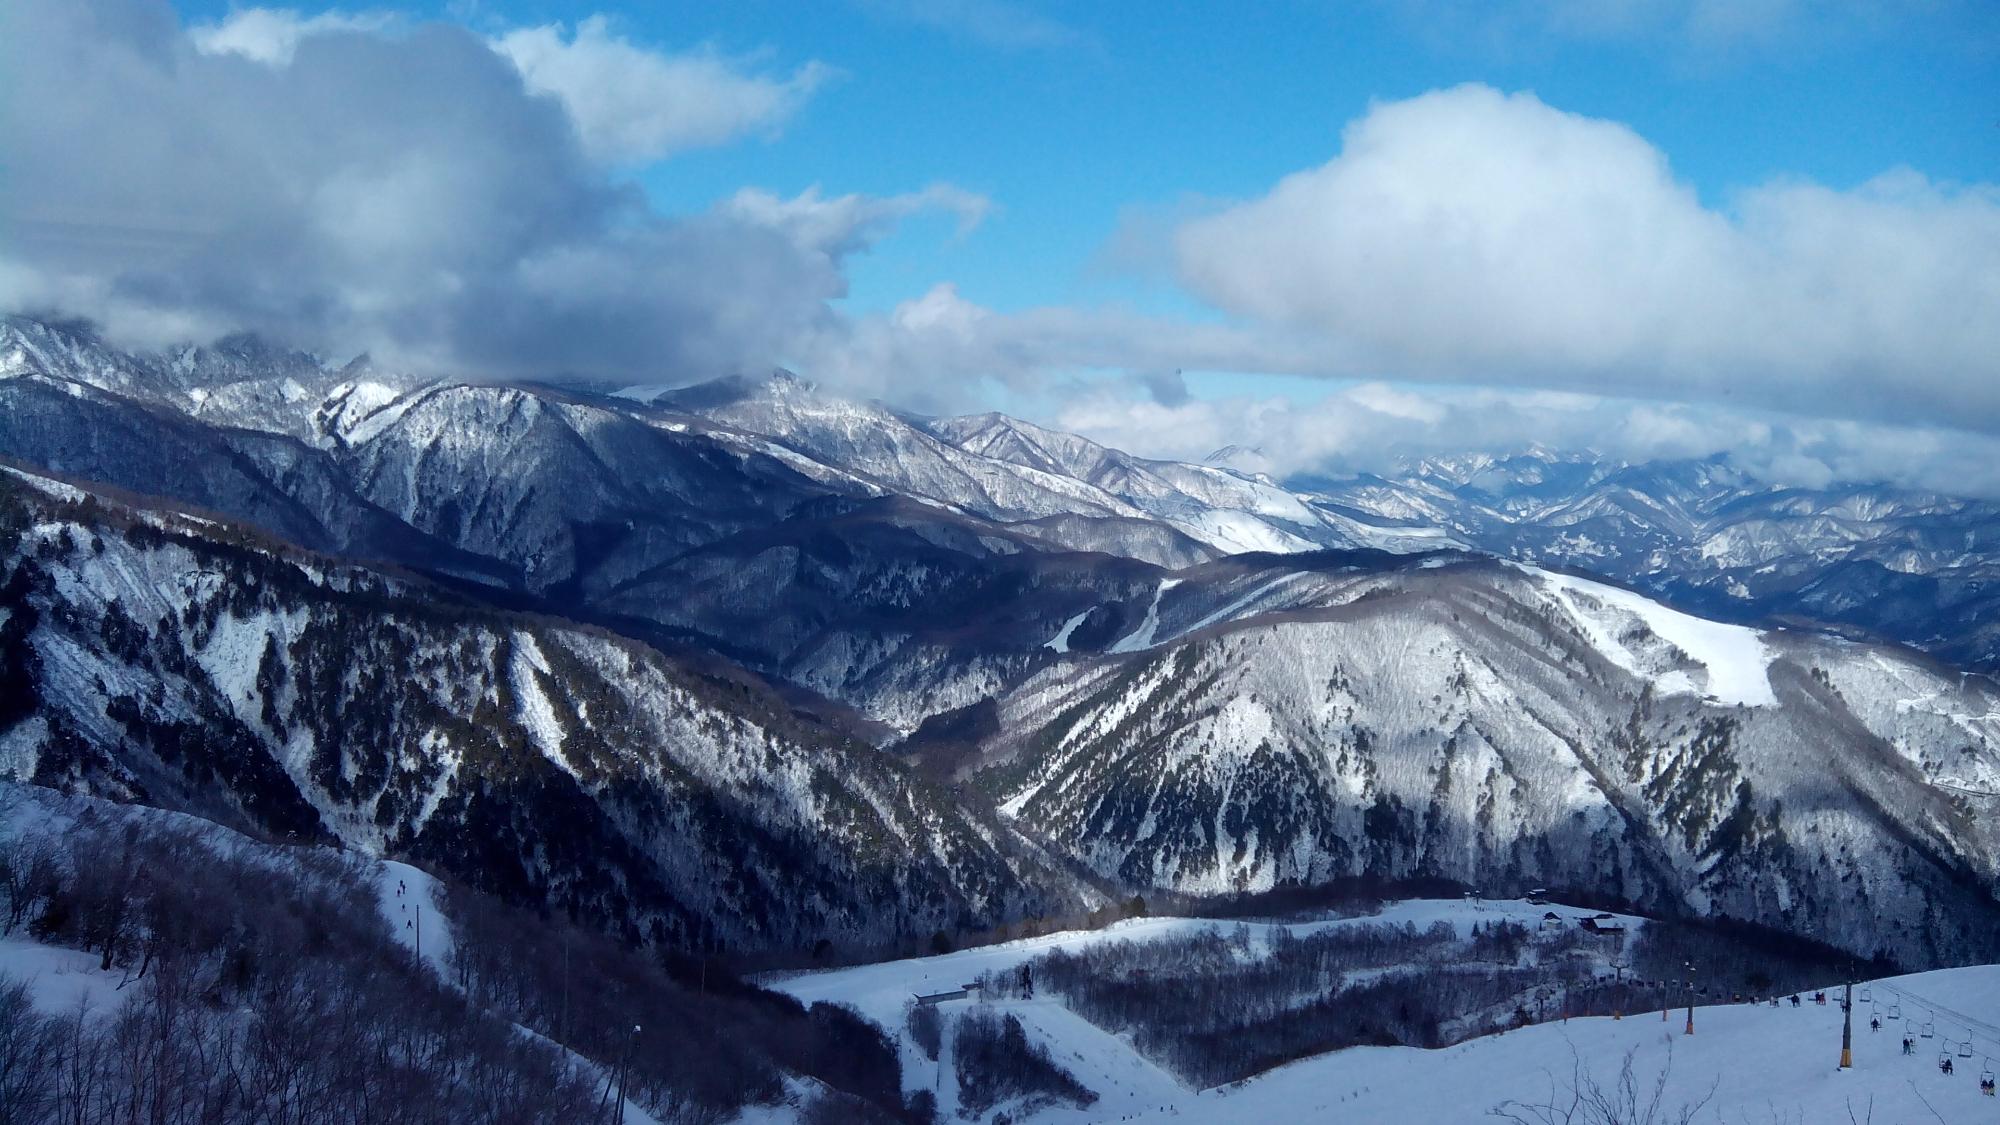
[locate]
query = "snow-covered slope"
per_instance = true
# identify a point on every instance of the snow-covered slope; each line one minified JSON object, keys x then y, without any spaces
{"x":157,"y":658}
{"x":1147,"y":707}
{"x":286,"y":981}
{"x":1228,"y":510}
{"x":1912,"y":566}
{"x":1125,"y":1081}
{"x":1004,"y":469}
{"x":1500,"y":727}
{"x":1745,"y":1062}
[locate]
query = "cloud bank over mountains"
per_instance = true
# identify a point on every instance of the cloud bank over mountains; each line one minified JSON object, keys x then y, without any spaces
{"x":460,"y":200}
{"x":1375,"y":427}
{"x":350,"y":183}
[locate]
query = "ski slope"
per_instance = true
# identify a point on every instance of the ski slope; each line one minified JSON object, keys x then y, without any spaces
{"x":1126,"y":1083}
{"x":1737,"y":659}
{"x":1752,"y":1063}
{"x":1760,"y":1063}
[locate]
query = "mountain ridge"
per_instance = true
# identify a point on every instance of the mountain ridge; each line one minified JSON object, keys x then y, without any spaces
{"x":1138,"y":709}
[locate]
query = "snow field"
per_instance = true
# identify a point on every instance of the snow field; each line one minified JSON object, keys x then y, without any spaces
{"x":1753,"y":1063}
{"x":1736,"y":657}
{"x":408,"y":898}
{"x":1761,"y":1063}
{"x":1127,"y":1084}
{"x":1142,"y":637}
{"x":59,"y":980}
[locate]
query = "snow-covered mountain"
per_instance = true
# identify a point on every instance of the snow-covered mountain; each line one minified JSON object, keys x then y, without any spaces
{"x":1011,"y":472}
{"x":801,"y":667}
{"x":1915,"y":567}
{"x":1495,"y":725}
{"x":160,"y":658}
{"x":542,"y":489}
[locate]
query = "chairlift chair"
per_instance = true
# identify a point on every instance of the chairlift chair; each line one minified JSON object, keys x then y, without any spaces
{"x":1986,"y":1075}
{"x":1895,"y":1010}
{"x":1965,"y":1048}
{"x":1866,"y":995}
{"x":1929,"y":1029}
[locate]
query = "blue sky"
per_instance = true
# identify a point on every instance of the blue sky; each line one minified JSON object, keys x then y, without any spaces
{"x":1124,"y":105}
{"x":1632,"y":222}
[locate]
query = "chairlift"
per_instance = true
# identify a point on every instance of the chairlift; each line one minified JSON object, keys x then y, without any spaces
{"x":1987,"y":1074}
{"x":1895,"y":1010}
{"x":1866,"y":995}
{"x":1965,"y":1048}
{"x":1929,"y":1030}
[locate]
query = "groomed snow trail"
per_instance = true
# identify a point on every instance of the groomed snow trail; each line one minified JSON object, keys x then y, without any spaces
{"x":1142,"y":637}
{"x":1736,"y":657}
{"x":1758,"y":1059}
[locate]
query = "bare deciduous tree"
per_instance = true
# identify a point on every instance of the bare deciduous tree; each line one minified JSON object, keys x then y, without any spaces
{"x":1583,"y":1100}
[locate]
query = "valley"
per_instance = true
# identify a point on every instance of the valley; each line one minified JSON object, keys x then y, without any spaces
{"x":756,"y":676}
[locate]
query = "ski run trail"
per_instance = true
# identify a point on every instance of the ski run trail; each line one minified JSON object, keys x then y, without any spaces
{"x":1753,"y":1064}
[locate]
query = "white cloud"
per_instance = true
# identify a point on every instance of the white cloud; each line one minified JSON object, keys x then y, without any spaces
{"x":634,"y":105}
{"x":630,"y":103}
{"x":271,"y":35}
{"x":1472,"y":235}
{"x":1372,"y":427}
{"x":935,"y":347}
{"x":395,"y":190}
{"x":839,"y":225}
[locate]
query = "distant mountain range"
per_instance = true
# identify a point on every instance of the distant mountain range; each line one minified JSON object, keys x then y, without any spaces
{"x":747,"y":665}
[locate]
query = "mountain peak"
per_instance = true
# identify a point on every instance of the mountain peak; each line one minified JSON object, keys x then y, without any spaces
{"x":777,"y":385}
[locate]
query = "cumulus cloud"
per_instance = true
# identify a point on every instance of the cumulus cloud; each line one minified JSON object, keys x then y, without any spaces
{"x":1470,"y":235}
{"x":342,"y":188}
{"x":271,"y":35}
{"x":634,"y":105}
{"x":935,"y":349}
{"x":631,"y":104}
{"x":351,"y":181}
{"x":843,"y":224}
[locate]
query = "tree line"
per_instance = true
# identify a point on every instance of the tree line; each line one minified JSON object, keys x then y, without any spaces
{"x":261,"y":985}
{"x":1221,"y":1004}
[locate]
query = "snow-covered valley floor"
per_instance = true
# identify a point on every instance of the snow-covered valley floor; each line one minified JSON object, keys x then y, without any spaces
{"x":1753,"y":1064}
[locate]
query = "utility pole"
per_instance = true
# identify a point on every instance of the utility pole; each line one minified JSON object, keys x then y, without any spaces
{"x":1690,"y":1024}
{"x":1618,"y":990}
{"x":1847,"y":1026}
